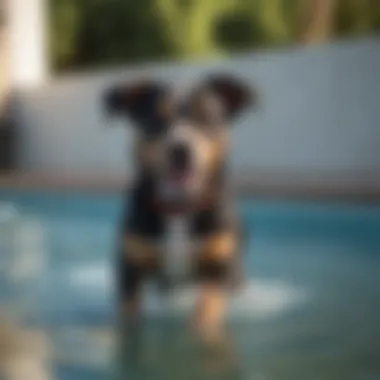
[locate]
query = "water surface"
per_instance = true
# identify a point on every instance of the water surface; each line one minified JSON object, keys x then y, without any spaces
{"x":311,"y":308}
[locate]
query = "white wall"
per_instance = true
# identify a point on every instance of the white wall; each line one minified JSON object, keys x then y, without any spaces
{"x":320,"y":112}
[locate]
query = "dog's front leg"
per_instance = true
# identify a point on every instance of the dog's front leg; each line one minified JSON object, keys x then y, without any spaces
{"x":137,"y":259}
{"x":129,"y":289}
{"x":209,"y":311}
{"x":215,"y":267}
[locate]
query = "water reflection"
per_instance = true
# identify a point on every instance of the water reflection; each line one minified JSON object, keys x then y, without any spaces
{"x":169,"y":350}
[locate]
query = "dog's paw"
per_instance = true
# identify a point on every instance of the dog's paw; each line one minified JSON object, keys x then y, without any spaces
{"x":208,"y":335}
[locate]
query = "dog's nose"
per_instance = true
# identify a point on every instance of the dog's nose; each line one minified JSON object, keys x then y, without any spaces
{"x":179,"y":156}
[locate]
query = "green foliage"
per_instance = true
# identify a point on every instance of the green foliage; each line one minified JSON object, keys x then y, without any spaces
{"x":65,"y":26}
{"x":358,"y":17}
{"x":97,"y":32}
{"x":88,"y":33}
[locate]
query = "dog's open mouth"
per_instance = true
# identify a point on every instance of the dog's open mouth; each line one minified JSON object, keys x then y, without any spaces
{"x":180,"y":178}
{"x":179,"y":185}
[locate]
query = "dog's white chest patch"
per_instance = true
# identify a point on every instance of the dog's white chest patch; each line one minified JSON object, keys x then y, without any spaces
{"x":177,"y":248}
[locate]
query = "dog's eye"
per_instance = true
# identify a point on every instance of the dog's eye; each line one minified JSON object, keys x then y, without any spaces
{"x":208,"y":122}
{"x":165,"y":108}
{"x":156,"y":130}
{"x":207,"y":110}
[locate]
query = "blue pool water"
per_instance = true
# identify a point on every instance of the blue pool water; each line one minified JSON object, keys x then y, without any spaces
{"x":311,"y":308}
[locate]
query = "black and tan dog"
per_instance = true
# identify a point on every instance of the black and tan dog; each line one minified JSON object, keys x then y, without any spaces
{"x":180,"y":225}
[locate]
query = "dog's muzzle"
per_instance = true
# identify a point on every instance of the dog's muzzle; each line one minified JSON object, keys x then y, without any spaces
{"x":180,"y":168}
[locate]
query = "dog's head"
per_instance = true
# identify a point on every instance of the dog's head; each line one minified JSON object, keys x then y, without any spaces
{"x":182,"y":138}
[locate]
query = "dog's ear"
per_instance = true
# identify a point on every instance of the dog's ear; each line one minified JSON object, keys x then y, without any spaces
{"x":235,"y":95}
{"x":136,"y":100}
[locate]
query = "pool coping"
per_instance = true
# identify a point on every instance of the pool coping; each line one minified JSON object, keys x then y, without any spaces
{"x":356,"y":187}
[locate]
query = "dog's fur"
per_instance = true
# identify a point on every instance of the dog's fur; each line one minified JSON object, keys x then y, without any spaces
{"x":180,"y":224}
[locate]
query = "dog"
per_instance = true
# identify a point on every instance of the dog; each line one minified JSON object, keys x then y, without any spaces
{"x":181,"y":225}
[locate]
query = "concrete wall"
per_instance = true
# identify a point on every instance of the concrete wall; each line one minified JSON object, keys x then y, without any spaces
{"x":320,"y":112}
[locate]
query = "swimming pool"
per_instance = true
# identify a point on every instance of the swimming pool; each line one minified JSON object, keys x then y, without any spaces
{"x":311,"y":309}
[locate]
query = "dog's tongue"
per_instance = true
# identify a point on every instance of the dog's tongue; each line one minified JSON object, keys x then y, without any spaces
{"x":180,"y":178}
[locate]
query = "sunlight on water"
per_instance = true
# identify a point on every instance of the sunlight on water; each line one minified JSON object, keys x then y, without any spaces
{"x":260,"y":298}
